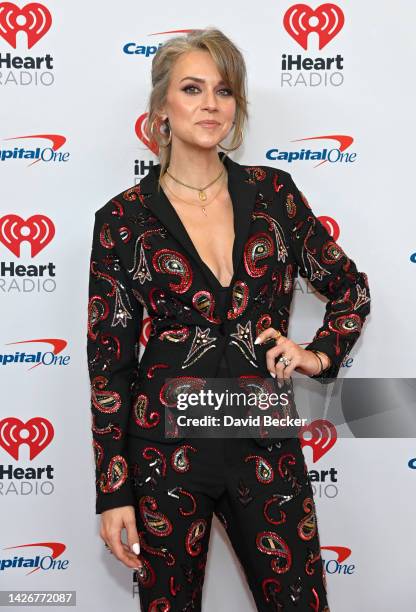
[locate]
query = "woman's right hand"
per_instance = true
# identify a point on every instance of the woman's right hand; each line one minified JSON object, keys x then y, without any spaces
{"x":112,"y":522}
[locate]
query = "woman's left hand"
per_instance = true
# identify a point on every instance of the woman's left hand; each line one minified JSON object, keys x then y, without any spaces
{"x":301,"y":360}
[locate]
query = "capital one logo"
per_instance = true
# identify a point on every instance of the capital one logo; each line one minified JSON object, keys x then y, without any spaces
{"x":326,"y":20}
{"x":320,"y":435}
{"x":34,"y":19}
{"x":52,"y":561}
{"x":37,"y":230}
{"x":37,"y":433}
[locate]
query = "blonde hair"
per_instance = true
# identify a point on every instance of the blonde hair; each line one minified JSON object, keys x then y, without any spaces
{"x":230,"y":64}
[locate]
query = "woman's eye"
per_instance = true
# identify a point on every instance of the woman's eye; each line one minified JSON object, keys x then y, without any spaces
{"x":189,"y":87}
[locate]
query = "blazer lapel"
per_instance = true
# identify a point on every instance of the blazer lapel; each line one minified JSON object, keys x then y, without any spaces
{"x":243,"y":196}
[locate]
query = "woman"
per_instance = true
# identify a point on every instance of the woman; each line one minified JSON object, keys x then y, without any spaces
{"x":210,"y":248}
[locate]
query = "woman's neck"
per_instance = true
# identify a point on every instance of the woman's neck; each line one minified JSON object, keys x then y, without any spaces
{"x":195,"y":167}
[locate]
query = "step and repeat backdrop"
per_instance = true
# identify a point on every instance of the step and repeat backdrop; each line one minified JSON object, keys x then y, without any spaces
{"x":331,"y":101}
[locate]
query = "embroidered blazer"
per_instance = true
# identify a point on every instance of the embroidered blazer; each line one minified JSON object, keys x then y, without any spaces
{"x":143,"y":258}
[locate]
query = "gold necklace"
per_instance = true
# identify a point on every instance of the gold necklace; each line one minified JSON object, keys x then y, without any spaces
{"x":201,"y":190}
{"x":203,"y":208}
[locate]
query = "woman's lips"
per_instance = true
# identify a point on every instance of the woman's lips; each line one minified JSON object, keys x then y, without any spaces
{"x":209,"y":124}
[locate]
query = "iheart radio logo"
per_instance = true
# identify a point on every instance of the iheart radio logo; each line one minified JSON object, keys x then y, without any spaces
{"x":37,"y":433}
{"x":330,"y":225}
{"x":326,"y":20}
{"x":38,"y":230}
{"x":321,"y":437}
{"x":140,"y":133}
{"x":146,"y":330}
{"x":34,"y":19}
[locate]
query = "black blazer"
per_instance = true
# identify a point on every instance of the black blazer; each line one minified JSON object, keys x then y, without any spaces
{"x":142,"y":257}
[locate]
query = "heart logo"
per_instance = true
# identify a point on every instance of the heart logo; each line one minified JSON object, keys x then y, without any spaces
{"x":38,"y":230}
{"x":36,"y":433}
{"x":330,"y":225}
{"x":324,"y":435}
{"x":326,"y":20}
{"x":146,"y":330}
{"x":140,"y":133}
{"x":34,"y":19}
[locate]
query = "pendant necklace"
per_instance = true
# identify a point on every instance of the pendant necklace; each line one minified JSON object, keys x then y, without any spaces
{"x":203,"y":208}
{"x":201,"y":190}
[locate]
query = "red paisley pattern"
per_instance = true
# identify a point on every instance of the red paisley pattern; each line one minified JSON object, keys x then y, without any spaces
{"x":307,"y":526}
{"x":155,"y":522}
{"x":103,"y":399}
{"x":179,"y":459}
{"x":270,"y":543}
{"x":267,"y":532}
{"x":204,"y":303}
{"x":142,"y":417}
{"x":258,"y":247}
{"x":140,"y":261}
{"x":264,"y":471}
{"x":116,"y":475}
{"x":195,"y":533}
{"x":168,"y":261}
{"x":239,"y":299}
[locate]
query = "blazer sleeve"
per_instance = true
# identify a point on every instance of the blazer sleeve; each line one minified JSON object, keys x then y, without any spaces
{"x":114,"y":328}
{"x":333,"y":274}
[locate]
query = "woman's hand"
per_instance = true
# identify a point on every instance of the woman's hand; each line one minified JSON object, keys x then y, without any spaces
{"x":112,"y":522}
{"x":301,"y":360}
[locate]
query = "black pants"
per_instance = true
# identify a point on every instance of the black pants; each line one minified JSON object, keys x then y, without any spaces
{"x":262,"y":497}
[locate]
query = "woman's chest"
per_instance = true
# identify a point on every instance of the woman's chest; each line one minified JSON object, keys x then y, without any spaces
{"x":212,"y":234}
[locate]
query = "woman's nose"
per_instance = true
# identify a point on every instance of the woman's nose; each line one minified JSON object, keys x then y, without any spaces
{"x":209,"y":100}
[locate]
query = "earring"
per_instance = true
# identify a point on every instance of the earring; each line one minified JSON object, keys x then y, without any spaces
{"x":166,"y":123}
{"x":238,"y":145}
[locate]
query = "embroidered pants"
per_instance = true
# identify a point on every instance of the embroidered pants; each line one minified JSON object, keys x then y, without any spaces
{"x":263,"y":499}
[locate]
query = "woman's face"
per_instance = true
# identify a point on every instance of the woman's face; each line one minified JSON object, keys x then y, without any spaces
{"x":202,"y":98}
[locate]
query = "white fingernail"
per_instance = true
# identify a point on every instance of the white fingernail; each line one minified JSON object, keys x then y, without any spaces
{"x":136,"y":548}
{"x":257,"y":340}
{"x":273,"y":374}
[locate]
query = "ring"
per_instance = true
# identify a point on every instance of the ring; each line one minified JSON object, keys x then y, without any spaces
{"x":285,"y":360}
